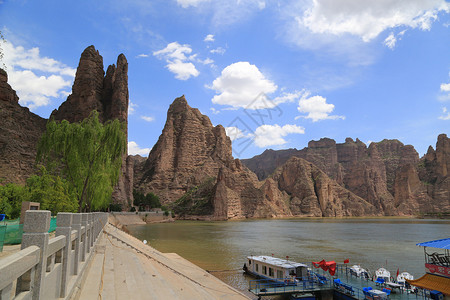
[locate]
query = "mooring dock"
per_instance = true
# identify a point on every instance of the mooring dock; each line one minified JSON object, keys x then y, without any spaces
{"x":265,"y":288}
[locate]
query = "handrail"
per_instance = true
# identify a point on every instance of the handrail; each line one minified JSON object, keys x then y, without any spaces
{"x":55,"y":244}
{"x":17,"y":264}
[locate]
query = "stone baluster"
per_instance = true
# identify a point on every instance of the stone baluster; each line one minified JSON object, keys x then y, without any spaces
{"x":85,"y":223}
{"x":76,"y":225}
{"x":35,"y":233}
{"x":91,"y":230}
{"x":64,"y":227}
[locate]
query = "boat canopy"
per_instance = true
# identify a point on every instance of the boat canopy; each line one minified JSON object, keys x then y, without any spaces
{"x":432,"y":282}
{"x":286,"y":264}
{"x":440,"y":244}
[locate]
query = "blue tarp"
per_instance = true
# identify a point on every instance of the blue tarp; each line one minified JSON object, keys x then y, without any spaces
{"x":441,"y":244}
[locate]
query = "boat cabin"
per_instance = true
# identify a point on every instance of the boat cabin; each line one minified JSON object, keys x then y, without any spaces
{"x":275,"y":268}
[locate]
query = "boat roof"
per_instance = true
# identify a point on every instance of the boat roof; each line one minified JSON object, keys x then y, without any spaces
{"x":441,"y":244}
{"x":283,"y":263}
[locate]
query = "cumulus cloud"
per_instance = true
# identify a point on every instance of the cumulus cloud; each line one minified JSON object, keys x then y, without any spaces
{"x":367,"y":19}
{"x":177,"y":61}
{"x":316,"y":108}
{"x":147,"y":118}
{"x":240,"y":84}
{"x":209,"y":38}
{"x":445,"y":87}
{"x":134,"y":149}
{"x":273,"y":135}
{"x":215,"y":111}
{"x":234,"y":133}
{"x":390,"y":41}
{"x":36,"y":79}
{"x":445,"y":114}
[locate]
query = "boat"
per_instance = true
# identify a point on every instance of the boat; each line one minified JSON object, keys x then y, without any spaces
{"x":357,"y":271}
{"x":401,"y":279}
{"x":275,"y":269}
{"x":302,"y":296}
{"x":405,"y":275}
{"x":382,"y":276}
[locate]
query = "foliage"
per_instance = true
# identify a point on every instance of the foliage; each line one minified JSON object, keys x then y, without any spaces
{"x":11,"y":196}
{"x":115,"y":207}
{"x":88,"y":155}
{"x":142,"y":201}
{"x":197,"y":201}
{"x":52,"y":192}
{"x":2,"y":40}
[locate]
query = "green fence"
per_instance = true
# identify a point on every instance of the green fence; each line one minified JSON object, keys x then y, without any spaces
{"x":11,"y":232}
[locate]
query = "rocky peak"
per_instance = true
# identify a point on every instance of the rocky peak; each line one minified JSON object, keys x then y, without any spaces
{"x":92,"y":90}
{"x":189,"y":150}
{"x":6,"y":92}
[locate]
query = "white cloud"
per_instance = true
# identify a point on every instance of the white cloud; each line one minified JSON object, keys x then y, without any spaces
{"x":446,"y":114}
{"x":134,"y":149}
{"x":209,"y":38}
{"x":234,"y":133}
{"x":241,"y":84}
{"x":390,"y":41}
{"x":142,"y":55}
{"x":367,"y":19}
{"x":175,"y":56}
{"x":36,"y":79}
{"x":207,"y":61}
{"x":147,"y":118}
{"x":131,"y":107}
{"x":271,"y":135}
{"x":316,"y":108}
{"x":218,"y":50}
{"x":215,"y":111}
{"x":445,"y":87}
{"x":187,"y":3}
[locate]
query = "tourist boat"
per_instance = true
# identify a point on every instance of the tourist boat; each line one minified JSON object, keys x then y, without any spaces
{"x":357,"y":271}
{"x":382,"y":276}
{"x":405,"y":275}
{"x":275,"y":269}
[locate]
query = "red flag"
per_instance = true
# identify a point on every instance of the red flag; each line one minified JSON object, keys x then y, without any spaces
{"x":346,"y":261}
{"x":398,"y":271}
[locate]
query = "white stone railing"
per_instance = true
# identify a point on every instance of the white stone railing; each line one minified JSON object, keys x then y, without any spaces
{"x":51,"y":268}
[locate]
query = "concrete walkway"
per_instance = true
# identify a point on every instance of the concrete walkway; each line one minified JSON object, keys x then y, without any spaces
{"x":124,"y":268}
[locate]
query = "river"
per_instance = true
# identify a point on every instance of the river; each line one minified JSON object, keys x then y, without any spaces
{"x":224,"y":246}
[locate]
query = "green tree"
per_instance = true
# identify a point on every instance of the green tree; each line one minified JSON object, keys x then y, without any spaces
{"x":88,"y":155}
{"x":11,"y":197}
{"x":52,"y":192}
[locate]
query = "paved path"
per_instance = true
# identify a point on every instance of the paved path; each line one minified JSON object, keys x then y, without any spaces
{"x":124,"y":268}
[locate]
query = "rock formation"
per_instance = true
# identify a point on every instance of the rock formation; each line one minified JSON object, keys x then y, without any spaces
{"x":191,"y":168}
{"x":20,"y":132}
{"x":387,"y":174}
{"x":107,"y":94}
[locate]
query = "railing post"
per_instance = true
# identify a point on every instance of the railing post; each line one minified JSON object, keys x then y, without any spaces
{"x":76,"y":224}
{"x":84,"y":222}
{"x":35,"y":233}
{"x":91,"y":230}
{"x":64,"y":223}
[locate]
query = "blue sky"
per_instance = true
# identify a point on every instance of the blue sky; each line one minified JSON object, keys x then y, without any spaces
{"x":277,"y":74}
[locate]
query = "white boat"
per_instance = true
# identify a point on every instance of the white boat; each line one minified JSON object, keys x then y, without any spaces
{"x":357,"y":271}
{"x":382,"y":276}
{"x":275,"y":269}
{"x":405,"y":275}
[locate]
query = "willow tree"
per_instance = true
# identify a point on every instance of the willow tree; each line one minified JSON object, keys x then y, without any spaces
{"x":88,"y":155}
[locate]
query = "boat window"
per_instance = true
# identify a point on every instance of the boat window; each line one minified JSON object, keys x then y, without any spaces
{"x":256,"y":267}
{"x":271,"y":274}
{"x":279,"y":274}
{"x":264,"y":269}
